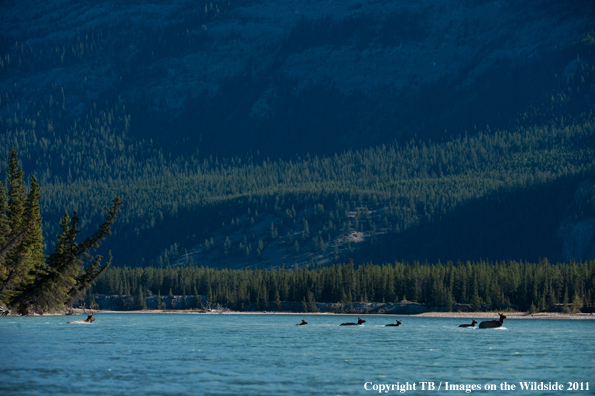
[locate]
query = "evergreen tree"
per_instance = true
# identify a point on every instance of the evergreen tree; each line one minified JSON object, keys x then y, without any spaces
{"x":16,"y":193}
{"x":551,"y":301}
{"x":476,"y":303}
{"x":90,"y":300}
{"x":312,"y":303}
{"x":33,"y":243}
{"x":449,"y":303}
{"x":16,"y":267}
{"x":5,"y":234}
{"x":141,"y":302}
{"x":577,"y":303}
{"x":565,"y":302}
{"x":306,"y":230}
{"x":226,"y":246}
{"x":5,"y":231}
{"x":196,"y":299}
{"x":159,"y":299}
{"x":277,"y":301}
{"x":69,"y":271}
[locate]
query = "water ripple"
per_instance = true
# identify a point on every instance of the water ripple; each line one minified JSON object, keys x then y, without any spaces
{"x":269,"y":355}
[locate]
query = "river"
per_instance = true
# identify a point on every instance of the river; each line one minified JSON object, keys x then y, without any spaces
{"x":201,"y":354}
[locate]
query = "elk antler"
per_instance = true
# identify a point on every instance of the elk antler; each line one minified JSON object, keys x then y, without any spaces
{"x":87,"y":313}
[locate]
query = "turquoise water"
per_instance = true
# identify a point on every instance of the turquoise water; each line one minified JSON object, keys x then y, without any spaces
{"x":170,"y":354}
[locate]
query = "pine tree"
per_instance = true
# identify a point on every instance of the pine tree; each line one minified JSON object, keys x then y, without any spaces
{"x":551,"y":301}
{"x":159,"y":299}
{"x":277,"y":301}
{"x":4,"y":226}
{"x":13,"y":267}
{"x":196,"y":299}
{"x":16,"y":268}
{"x":449,"y":303}
{"x":577,"y":303}
{"x":141,"y":302}
{"x":565,"y":308}
{"x":16,"y":193}
{"x":306,"y":230}
{"x":312,"y":303}
{"x":476,"y":303}
{"x":33,"y":243}
{"x":172,"y":299}
{"x":5,"y":234}
{"x":70,"y":270}
{"x":226,"y":246}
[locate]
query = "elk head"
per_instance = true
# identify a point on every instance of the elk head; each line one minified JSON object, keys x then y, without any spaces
{"x":90,"y":318}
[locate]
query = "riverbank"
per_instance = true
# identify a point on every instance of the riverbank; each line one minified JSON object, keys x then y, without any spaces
{"x":463,"y":315}
{"x":404,"y":307}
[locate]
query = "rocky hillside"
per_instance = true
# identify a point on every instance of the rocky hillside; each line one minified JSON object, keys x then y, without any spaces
{"x":191,"y":75}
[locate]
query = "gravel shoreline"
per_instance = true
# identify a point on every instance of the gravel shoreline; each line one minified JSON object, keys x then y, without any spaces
{"x":471,"y":315}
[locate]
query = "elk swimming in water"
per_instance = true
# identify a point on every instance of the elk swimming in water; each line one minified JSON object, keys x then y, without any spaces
{"x":469,"y":325}
{"x":493,"y":323}
{"x":303,"y":323}
{"x":90,"y":318}
{"x":394,"y":324}
{"x":359,"y":323}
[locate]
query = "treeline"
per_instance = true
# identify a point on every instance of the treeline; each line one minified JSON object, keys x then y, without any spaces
{"x":530,"y":286}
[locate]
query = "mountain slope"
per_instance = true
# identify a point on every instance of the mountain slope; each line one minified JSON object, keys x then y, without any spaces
{"x":421,"y":114}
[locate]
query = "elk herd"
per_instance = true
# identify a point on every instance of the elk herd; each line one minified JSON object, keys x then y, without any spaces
{"x":483,"y":325}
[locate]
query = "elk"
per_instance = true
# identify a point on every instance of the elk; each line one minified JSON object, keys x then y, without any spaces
{"x":303,"y":323}
{"x":493,"y":323}
{"x":90,"y":318}
{"x":469,"y":325}
{"x":359,"y":323}
{"x":394,"y":324}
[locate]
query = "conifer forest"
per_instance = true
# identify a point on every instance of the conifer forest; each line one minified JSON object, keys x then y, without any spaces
{"x":357,"y":154}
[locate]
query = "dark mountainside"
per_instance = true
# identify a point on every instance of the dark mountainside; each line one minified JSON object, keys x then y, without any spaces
{"x":251,"y":133}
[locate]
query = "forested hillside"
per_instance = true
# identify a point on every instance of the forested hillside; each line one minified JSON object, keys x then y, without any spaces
{"x":245,"y":133}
